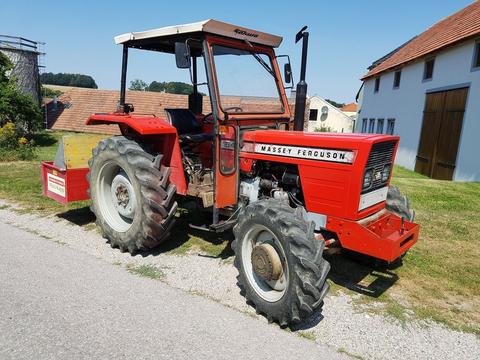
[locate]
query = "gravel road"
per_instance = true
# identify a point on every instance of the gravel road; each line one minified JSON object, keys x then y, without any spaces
{"x":202,"y":281}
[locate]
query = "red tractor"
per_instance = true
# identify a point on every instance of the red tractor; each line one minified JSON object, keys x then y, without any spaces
{"x":287,"y":194}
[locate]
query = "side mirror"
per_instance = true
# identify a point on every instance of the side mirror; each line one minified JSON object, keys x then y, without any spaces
{"x":288,"y":73}
{"x":182,"y":55}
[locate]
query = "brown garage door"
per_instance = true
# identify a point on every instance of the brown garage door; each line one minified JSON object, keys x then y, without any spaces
{"x":440,"y":136}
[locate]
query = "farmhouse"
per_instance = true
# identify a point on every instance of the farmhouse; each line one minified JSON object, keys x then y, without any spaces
{"x":323,"y":116}
{"x":350,"y":110}
{"x":428,"y":92}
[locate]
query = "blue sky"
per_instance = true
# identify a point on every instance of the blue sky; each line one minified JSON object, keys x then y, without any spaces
{"x":345,"y":36}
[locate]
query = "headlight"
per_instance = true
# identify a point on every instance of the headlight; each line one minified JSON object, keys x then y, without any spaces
{"x":386,"y":172}
{"x":367,"y":179}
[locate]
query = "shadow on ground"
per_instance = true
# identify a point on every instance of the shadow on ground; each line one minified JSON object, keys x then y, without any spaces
{"x":182,"y":237}
{"x":81,"y":217}
{"x":357,"y":274}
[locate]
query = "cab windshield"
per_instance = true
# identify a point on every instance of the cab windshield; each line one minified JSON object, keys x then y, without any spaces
{"x":246,"y":81}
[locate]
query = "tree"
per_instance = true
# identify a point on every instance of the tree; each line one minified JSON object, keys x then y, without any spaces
{"x":65,"y":79}
{"x":16,"y":107}
{"x":336,"y":104}
{"x":138,"y":85}
{"x":172,"y":87}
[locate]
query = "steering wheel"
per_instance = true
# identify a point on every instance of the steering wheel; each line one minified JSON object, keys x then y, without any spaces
{"x":205,"y":118}
{"x":236,"y":108}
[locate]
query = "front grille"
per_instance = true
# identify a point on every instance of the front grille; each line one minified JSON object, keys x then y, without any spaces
{"x":380,"y":155}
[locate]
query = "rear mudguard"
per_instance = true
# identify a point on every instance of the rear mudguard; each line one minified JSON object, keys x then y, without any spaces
{"x":158,"y":132}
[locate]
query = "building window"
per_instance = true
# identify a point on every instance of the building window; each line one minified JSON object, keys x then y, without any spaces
{"x":313,"y":115}
{"x":380,"y":126}
{"x":371,"y":126}
{"x":476,"y":56}
{"x":396,"y":79}
{"x":364,"y":125}
{"x":390,"y":126}
{"x":428,"y":71}
{"x":377,"y":84}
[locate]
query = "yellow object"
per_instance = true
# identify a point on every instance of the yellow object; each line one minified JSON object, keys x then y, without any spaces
{"x":22,"y":141}
{"x":74,"y":151}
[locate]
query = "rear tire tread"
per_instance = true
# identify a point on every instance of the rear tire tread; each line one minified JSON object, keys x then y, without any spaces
{"x":157,"y":196}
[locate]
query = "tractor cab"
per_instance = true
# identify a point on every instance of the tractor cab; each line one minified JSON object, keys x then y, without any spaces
{"x":240,"y":67}
{"x":246,"y":92}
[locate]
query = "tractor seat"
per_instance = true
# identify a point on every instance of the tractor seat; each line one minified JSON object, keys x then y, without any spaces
{"x":188,"y":128}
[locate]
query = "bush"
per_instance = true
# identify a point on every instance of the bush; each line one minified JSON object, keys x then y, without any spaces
{"x":50,"y":93}
{"x":14,"y":146}
{"x":324,"y":129}
{"x":15,"y":107}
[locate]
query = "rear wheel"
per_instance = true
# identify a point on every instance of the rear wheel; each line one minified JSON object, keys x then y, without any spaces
{"x":131,"y":195}
{"x":280,"y":263}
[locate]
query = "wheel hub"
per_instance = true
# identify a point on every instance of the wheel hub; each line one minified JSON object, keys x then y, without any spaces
{"x":123,"y":195}
{"x":266,"y":263}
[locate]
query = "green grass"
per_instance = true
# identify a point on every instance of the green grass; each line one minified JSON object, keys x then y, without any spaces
{"x":344,"y":351}
{"x":309,"y":335}
{"x":148,"y":271}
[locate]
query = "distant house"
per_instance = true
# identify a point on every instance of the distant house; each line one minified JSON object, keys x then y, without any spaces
{"x":350,"y":110}
{"x":428,"y":92}
{"x":325,"y":117}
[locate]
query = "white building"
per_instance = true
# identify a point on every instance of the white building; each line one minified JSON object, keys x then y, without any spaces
{"x":350,"y":110}
{"x":325,"y":117}
{"x":428,"y":92}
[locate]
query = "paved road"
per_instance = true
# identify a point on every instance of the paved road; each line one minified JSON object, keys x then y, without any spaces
{"x":56,"y":303}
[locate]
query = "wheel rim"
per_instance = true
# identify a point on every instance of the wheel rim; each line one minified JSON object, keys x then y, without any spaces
{"x":269,"y":290}
{"x":116,"y":197}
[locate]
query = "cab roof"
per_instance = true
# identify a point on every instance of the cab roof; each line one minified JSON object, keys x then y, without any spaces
{"x":163,"y":39}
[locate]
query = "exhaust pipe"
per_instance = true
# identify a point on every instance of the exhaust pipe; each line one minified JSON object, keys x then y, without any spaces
{"x":301,"y":94}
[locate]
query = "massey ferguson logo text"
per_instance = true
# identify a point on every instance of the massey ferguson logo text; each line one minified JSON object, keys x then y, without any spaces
{"x":246,"y":33}
{"x":306,"y":153}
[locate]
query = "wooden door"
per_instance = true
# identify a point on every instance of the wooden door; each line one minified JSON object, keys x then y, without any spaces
{"x":440,"y":136}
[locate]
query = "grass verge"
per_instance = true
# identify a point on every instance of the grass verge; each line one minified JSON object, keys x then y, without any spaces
{"x":148,"y":271}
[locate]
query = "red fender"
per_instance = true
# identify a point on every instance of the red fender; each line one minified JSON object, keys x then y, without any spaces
{"x":163,"y":134}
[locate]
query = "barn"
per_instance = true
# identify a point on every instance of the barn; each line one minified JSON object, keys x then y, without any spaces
{"x":427,"y":91}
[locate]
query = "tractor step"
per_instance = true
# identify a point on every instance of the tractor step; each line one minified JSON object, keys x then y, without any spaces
{"x":216,"y":228}
{"x":200,"y":227}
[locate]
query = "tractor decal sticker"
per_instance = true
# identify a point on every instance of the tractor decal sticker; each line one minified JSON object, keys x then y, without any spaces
{"x":340,"y":156}
{"x":246,"y":33}
{"x":56,"y":184}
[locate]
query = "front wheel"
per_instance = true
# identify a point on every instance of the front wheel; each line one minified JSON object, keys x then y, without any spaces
{"x":280,"y":263}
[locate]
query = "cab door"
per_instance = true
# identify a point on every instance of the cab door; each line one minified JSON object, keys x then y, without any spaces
{"x":226,"y":167}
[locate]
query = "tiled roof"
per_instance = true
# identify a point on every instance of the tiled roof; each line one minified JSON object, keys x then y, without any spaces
{"x":352,"y":107}
{"x":75,"y":105}
{"x":460,"y":26}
